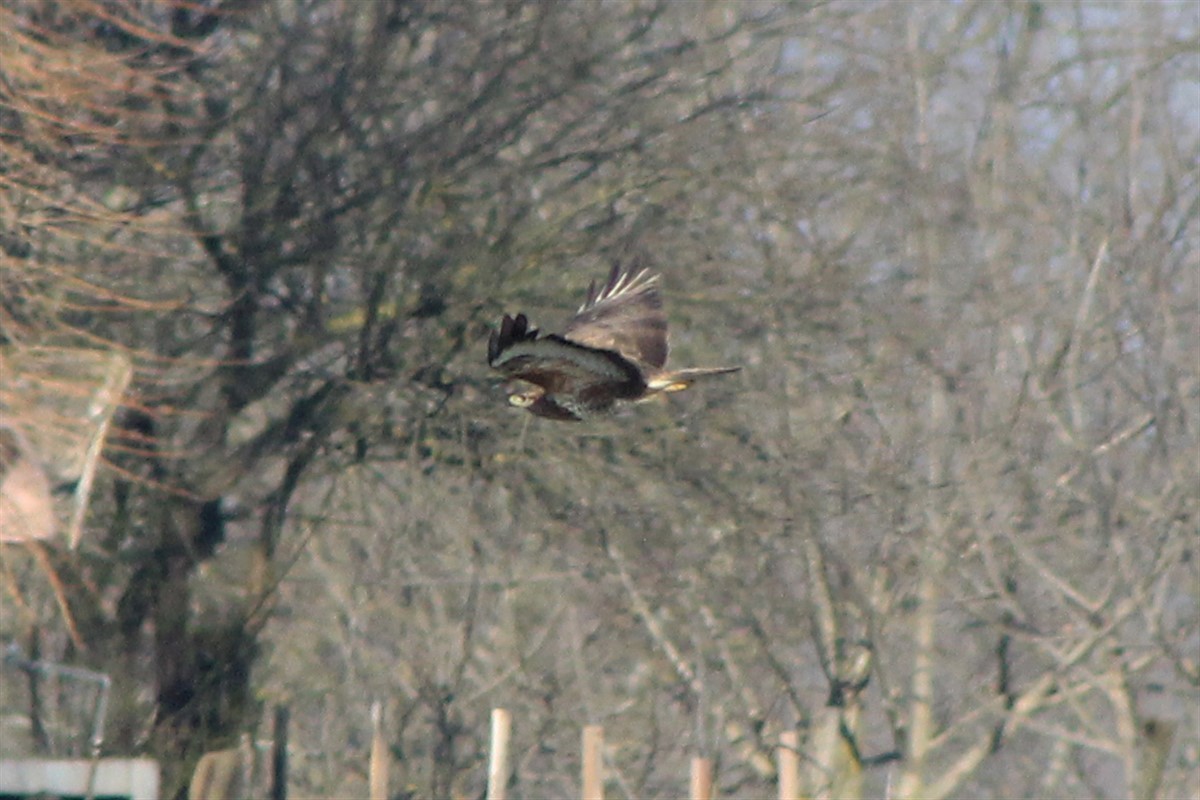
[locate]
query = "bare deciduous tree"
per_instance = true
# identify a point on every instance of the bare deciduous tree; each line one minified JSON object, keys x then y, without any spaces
{"x":941,"y":524}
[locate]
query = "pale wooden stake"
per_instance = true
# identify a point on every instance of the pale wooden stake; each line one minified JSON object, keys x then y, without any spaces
{"x":701,"y":787}
{"x":497,"y":786}
{"x":377,"y":770}
{"x":788,"y":754}
{"x":593,"y":768}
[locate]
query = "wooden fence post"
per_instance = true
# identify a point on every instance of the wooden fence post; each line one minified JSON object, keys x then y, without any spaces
{"x":701,"y":783}
{"x":788,"y":755}
{"x":497,"y":785}
{"x":593,"y":766}
{"x":377,"y":770}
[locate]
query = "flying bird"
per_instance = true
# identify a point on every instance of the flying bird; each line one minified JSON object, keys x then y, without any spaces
{"x":613,"y":350}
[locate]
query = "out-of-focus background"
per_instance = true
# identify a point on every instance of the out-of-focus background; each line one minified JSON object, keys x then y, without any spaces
{"x":942,"y":524}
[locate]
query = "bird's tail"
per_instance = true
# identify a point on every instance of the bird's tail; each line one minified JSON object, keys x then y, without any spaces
{"x":680,"y":379}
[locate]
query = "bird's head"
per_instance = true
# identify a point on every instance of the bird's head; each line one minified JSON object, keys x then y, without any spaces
{"x":524,"y":399}
{"x":536,"y":402}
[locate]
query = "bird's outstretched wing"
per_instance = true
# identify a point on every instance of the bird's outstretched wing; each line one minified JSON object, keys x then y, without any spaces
{"x":557,"y":364}
{"x":625,"y":314}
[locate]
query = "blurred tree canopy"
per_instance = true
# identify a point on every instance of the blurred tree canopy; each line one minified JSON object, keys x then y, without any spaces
{"x":943,"y":522}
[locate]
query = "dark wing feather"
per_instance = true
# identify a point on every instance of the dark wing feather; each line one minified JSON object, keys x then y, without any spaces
{"x":624,"y":315}
{"x":559,"y":365}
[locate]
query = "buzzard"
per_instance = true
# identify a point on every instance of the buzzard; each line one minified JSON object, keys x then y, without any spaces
{"x":613,"y":350}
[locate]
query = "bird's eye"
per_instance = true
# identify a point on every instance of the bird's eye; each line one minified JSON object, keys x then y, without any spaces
{"x":520,"y":400}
